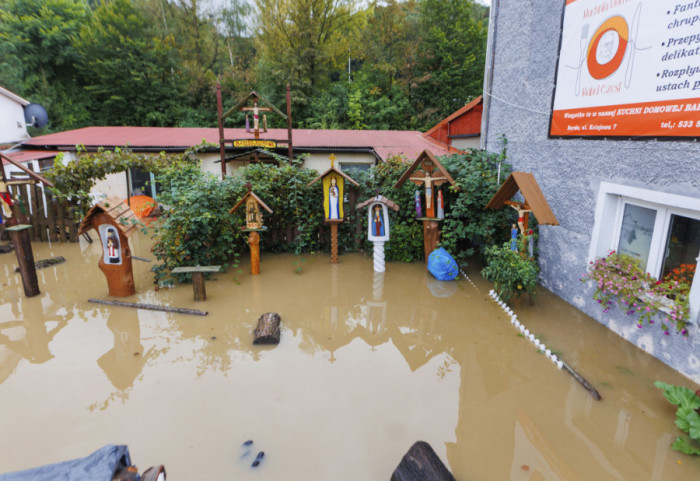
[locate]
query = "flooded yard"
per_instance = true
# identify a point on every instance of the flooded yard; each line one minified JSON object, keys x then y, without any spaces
{"x":367,"y":365}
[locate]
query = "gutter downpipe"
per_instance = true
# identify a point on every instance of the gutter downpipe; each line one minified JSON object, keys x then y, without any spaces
{"x":488,"y":75}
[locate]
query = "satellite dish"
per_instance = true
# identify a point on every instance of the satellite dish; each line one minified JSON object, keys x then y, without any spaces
{"x":35,"y":116}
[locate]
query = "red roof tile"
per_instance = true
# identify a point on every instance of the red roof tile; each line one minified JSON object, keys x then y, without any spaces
{"x":383,"y":142}
{"x":27,"y":155}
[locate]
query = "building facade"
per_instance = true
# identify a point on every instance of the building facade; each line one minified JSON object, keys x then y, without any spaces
{"x":637,"y":192}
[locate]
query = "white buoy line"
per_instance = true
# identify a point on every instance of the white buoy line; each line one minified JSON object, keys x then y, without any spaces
{"x":468,"y":279}
{"x":525,"y":331}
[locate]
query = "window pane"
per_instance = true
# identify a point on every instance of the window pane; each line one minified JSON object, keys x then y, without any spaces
{"x":682,"y":248}
{"x":636,"y":232}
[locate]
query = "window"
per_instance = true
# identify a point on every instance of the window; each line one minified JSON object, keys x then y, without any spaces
{"x":348,"y":168}
{"x":142,"y":183}
{"x":660,"y":229}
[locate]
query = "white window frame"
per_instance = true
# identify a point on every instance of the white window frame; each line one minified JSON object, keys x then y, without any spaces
{"x":610,"y":206}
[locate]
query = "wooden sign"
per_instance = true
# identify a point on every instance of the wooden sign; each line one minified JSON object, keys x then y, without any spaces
{"x":115,"y":222}
{"x":265,"y":144}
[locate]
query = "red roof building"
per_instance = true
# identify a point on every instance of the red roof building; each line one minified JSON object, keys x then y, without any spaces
{"x":462,"y":129}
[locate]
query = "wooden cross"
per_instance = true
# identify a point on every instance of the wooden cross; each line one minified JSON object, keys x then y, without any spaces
{"x":256,"y":116}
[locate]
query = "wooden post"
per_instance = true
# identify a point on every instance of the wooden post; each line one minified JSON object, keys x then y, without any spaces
{"x":200,"y":292}
{"x":19,"y":234}
{"x":220,"y":112}
{"x":254,"y":243}
{"x":289,"y":124}
{"x":431,"y":237}
{"x":334,"y":243}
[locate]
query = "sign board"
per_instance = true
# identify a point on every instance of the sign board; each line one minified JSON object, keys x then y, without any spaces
{"x":265,"y":144}
{"x":628,"y":68}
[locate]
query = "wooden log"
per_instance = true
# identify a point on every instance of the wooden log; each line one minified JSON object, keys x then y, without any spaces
{"x":589,"y":387}
{"x":25,"y":258}
{"x":5,"y":248}
{"x":431,"y":237}
{"x":150,"y":307}
{"x":46,"y":262}
{"x":268,"y":330}
{"x":254,"y":243}
{"x":200,"y":292}
{"x":36,"y":193}
{"x":421,"y":464}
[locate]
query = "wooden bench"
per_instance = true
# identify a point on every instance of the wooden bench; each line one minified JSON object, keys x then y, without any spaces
{"x":200,"y":293}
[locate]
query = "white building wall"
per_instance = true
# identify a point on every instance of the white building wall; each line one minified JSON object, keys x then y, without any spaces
{"x":12,"y":126}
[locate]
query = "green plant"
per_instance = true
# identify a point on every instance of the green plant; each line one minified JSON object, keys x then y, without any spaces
{"x":687,"y":417}
{"x":618,"y":277}
{"x":510,"y":272}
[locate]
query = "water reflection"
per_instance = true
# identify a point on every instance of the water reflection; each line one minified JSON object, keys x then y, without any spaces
{"x":123,"y":363}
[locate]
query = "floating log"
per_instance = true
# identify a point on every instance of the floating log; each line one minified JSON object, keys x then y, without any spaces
{"x":589,"y":387}
{"x":421,"y":464}
{"x":47,"y":262}
{"x":140,"y":258}
{"x":150,"y":307}
{"x":268,"y":330}
{"x":5,"y":248}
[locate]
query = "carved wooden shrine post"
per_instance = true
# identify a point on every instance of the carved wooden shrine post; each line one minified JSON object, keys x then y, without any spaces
{"x":534,"y":201}
{"x":333,"y":181}
{"x":115,"y":222}
{"x":378,"y":226}
{"x":427,"y":171}
{"x":254,"y":224}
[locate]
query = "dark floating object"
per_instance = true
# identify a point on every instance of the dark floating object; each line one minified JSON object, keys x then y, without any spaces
{"x":248,"y":443}
{"x":5,"y":248}
{"x":268,"y":330}
{"x":258,"y":458}
{"x":421,"y":464}
{"x":150,"y":307}
{"x":46,"y":262}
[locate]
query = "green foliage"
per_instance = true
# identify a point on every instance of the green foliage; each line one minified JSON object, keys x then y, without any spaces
{"x":687,"y":417}
{"x":618,"y":277}
{"x":74,"y":180}
{"x":198,"y":230}
{"x":468,"y":226}
{"x":511,"y":273}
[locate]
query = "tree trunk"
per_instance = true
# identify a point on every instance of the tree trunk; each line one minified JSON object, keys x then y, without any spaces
{"x":268,"y":330}
{"x":421,"y":464}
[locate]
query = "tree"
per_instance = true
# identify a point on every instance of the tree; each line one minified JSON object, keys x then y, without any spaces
{"x":128,"y":68}
{"x":302,"y":42}
{"x":38,"y":56}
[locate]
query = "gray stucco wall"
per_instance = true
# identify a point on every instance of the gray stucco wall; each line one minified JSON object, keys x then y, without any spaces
{"x":569,"y":171}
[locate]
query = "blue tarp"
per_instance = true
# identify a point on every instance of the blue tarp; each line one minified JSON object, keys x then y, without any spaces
{"x":442,"y":265}
{"x":99,"y":466}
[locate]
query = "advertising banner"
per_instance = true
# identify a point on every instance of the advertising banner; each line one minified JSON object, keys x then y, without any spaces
{"x":628,"y":68}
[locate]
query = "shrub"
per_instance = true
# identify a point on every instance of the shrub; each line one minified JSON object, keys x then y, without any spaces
{"x":510,"y":272}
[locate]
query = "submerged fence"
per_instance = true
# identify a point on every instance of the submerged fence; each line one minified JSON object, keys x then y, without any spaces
{"x":51,"y":219}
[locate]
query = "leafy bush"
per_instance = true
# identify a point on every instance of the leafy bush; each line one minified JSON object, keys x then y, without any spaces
{"x":619,"y":277}
{"x":510,"y":272}
{"x":687,"y":417}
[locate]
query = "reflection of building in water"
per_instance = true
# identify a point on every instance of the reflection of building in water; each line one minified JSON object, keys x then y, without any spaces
{"x":124,"y":362}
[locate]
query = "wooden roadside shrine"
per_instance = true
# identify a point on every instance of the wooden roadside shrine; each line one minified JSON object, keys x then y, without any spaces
{"x":255,"y":104}
{"x":333,"y":181}
{"x":534,"y":202}
{"x":17,"y":225}
{"x":114,"y":222}
{"x":254,"y":224}
{"x":426,"y":170}
{"x":378,"y":228}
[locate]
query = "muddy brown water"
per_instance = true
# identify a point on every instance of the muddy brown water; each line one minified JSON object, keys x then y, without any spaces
{"x":367,"y":365}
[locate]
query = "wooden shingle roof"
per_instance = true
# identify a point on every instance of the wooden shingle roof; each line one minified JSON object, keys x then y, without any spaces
{"x":534,"y":198}
{"x":124,"y":218}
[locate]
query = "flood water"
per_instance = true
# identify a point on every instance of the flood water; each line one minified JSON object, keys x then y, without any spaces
{"x":367,"y":365}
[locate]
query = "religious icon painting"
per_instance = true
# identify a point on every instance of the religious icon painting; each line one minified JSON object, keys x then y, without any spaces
{"x":378,"y":222}
{"x":333,"y":196}
{"x":110,"y":244}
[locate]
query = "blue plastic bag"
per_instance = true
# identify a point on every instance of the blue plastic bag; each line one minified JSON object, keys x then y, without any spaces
{"x":442,"y":265}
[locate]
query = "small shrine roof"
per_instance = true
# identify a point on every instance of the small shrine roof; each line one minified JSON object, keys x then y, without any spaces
{"x":250,"y":193}
{"x":534,"y":198}
{"x":120,"y":212}
{"x":333,"y":170}
{"x":378,"y":198}
{"x":425,"y":155}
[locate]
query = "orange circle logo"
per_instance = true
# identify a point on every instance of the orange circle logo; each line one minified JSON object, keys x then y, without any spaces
{"x":607,"y":47}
